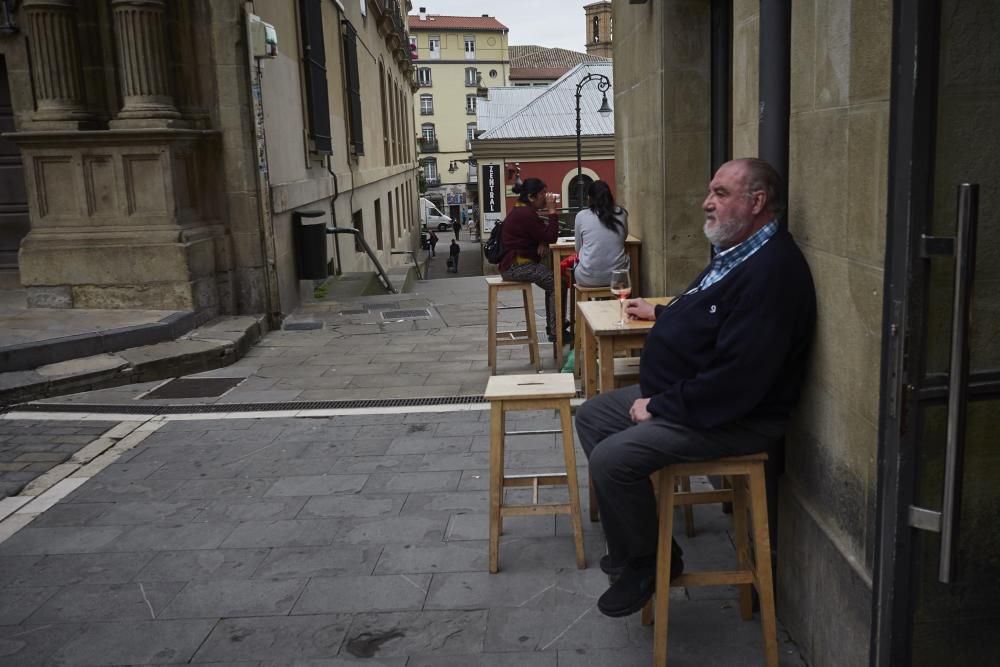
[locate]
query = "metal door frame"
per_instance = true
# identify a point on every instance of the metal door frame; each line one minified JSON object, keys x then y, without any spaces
{"x":905,"y":384}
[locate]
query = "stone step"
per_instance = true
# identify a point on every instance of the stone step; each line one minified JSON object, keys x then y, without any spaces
{"x":218,"y":343}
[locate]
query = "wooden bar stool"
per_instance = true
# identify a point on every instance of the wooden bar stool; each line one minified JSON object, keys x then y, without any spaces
{"x":753,"y":570}
{"x":508,"y":393}
{"x":527,"y":336}
{"x":581,"y":293}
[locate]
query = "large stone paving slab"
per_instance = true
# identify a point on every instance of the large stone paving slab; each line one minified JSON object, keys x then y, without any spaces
{"x":347,"y":541}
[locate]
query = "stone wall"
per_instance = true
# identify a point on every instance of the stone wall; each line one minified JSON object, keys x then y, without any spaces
{"x":838,"y":179}
{"x":837,"y":199}
{"x":662,"y":102}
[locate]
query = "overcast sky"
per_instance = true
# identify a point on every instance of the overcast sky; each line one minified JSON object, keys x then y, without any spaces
{"x":551,"y":23}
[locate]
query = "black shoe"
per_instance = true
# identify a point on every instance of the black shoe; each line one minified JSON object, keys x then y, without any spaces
{"x":610,"y":568}
{"x":633,"y":587}
{"x":629,"y":593}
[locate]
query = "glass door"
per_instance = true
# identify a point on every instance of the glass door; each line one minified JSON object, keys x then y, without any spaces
{"x":938,"y":561}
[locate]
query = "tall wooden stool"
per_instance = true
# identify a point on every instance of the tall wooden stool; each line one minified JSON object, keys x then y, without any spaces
{"x":527,"y":336}
{"x":754,"y":570}
{"x":508,"y":393}
{"x":581,"y":293}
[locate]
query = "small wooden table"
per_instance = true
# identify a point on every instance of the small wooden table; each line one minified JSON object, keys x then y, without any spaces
{"x":566,"y":246}
{"x":602,"y":337}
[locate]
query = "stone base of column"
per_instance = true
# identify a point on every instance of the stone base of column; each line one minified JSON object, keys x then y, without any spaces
{"x":125,"y":220}
{"x":156,"y":123}
{"x":154,"y":270}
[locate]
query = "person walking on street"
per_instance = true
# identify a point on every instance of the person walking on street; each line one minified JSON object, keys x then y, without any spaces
{"x":457,"y":226}
{"x":433,"y":242}
{"x":719,"y":375}
{"x":453,"y":256}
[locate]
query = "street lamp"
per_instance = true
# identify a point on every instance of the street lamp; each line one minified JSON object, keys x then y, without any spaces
{"x":453,"y":167}
{"x":603,"y":84}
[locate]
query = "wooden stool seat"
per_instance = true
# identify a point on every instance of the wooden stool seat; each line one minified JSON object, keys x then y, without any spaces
{"x":527,"y":336}
{"x":754,"y":570}
{"x":508,"y":393}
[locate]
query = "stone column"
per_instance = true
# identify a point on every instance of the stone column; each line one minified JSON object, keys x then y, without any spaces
{"x":56,"y":74}
{"x":141,"y":39}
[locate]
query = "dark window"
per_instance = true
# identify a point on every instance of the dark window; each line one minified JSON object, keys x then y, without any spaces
{"x":392,"y":219}
{"x":385,"y":111}
{"x":314,"y":61}
{"x":358,"y":222}
{"x":378,"y":224}
{"x":574,"y":190}
{"x":353,"y":88}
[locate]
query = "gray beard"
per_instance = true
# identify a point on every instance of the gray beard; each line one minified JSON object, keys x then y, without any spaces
{"x":723,"y":232}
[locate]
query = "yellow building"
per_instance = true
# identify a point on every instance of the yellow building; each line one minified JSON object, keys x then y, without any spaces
{"x":456,"y":55}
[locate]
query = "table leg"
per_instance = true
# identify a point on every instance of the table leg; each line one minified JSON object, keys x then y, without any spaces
{"x":588,"y":348}
{"x":557,"y":284}
{"x":606,"y":358}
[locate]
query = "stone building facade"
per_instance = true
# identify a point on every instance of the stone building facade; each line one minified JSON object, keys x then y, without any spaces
{"x":873,"y":156}
{"x":162,"y":158}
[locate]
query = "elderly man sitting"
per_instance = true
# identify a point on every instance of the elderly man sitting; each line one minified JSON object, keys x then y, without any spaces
{"x":719,"y":375}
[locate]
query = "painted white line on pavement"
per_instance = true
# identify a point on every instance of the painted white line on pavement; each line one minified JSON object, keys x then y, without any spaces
{"x":149,"y":420}
{"x":16,"y":512}
{"x":59,"y":490}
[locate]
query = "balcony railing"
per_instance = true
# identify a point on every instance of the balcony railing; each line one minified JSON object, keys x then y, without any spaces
{"x":432,"y":180}
{"x":428,"y":145}
{"x":426,"y":112}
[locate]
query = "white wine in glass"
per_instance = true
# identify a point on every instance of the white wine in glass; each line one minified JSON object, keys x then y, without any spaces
{"x":621,"y":287}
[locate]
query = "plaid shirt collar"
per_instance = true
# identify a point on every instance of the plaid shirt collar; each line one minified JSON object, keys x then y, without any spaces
{"x":729,"y":259}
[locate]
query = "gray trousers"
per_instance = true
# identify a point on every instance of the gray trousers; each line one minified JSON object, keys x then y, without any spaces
{"x":623,"y":455}
{"x":540,"y":275}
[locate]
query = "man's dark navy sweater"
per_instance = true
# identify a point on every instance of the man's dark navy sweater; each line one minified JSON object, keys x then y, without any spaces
{"x":736,"y":349}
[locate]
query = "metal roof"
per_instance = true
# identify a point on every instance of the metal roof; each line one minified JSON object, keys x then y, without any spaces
{"x":553,"y":112}
{"x":534,"y":56}
{"x":503,"y":102}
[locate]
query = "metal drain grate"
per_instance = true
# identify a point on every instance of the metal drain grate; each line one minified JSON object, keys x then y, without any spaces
{"x":193,"y":388}
{"x":421,"y":313}
{"x":385,"y":305}
{"x":302,"y":326}
{"x":356,"y":311}
{"x":372,"y":403}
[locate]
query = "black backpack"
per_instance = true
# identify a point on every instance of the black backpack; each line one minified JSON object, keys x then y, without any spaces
{"x":493,"y":248}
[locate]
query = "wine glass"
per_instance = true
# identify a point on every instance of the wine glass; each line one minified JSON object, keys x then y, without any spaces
{"x":621,"y":287}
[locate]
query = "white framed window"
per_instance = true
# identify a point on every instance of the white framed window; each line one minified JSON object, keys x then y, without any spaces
{"x":426,"y":104}
{"x":427,"y":132}
{"x":431,"y":169}
{"x":434,"y":46}
{"x":471,"y":76}
{"x":470,"y":104}
{"x":470,"y":131}
{"x":424,"y":76}
{"x":413,"y":40}
{"x":470,"y":47}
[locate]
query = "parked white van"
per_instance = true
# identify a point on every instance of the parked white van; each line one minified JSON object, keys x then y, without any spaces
{"x":432,"y":218}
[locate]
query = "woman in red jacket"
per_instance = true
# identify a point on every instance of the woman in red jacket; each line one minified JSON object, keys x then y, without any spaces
{"x":526,"y":238}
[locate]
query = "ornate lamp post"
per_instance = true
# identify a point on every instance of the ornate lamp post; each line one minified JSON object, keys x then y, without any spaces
{"x":603,"y":84}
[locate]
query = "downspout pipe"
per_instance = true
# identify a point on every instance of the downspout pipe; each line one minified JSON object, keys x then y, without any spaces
{"x":722,"y":80}
{"x":774,"y":84}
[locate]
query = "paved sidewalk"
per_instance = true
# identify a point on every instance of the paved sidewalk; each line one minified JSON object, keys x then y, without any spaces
{"x":347,"y":539}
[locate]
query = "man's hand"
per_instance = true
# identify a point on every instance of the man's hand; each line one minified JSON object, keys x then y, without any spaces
{"x":640,"y":309}
{"x":638,"y":411}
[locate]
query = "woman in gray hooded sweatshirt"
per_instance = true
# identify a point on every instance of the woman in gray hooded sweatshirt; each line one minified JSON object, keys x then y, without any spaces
{"x":601,"y":230}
